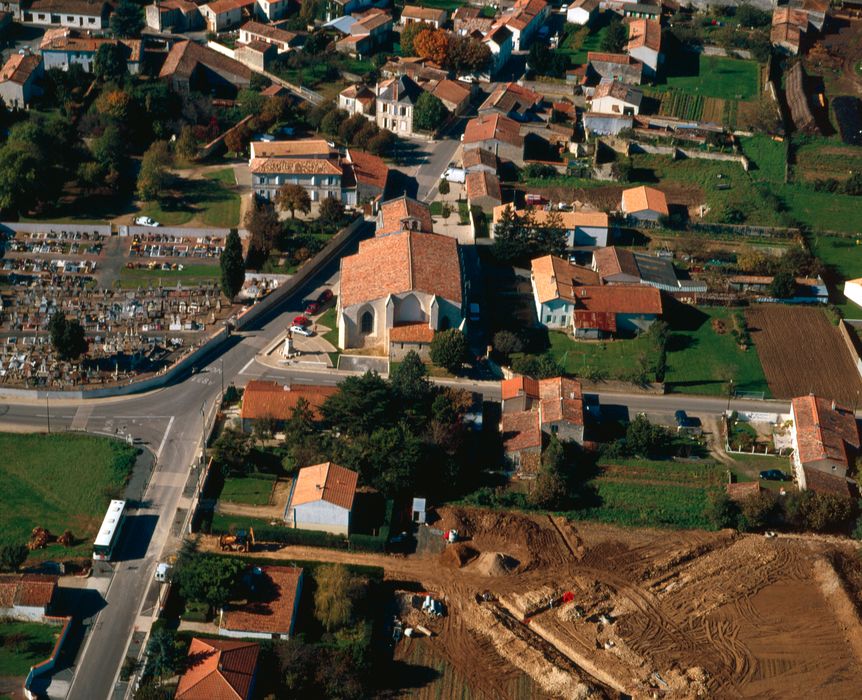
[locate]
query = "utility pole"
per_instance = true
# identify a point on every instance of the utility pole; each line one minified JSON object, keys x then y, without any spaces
{"x":222,"y":382}
{"x":48,"y":411}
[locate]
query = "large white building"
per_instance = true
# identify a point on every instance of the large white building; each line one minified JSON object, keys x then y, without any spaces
{"x":322,"y":499}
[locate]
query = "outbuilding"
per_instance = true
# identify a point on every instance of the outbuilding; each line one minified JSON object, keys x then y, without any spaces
{"x":322,"y":499}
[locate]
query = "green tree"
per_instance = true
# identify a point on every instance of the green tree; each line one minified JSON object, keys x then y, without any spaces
{"x":510,"y":244}
{"x":90,"y":175}
{"x":186,"y":146}
{"x":232,"y":265}
{"x":381,"y":143}
{"x":757,"y":511}
{"x":643,"y":439}
{"x":550,"y":490}
{"x":783,"y":285}
{"x":331,"y":212}
{"x":449,"y":349}
{"x":207,"y":578}
{"x":351,"y":127}
{"x":264,"y":228}
{"x":409,"y":381}
{"x":232,"y":450}
{"x":12,"y":556}
{"x":429,"y":113}
{"x":290,"y":197}
{"x":110,"y":149}
{"x":162,"y":656}
{"x":823,"y":512}
{"x":615,"y":38}
{"x":67,"y":337}
{"x":408,"y":35}
{"x":539,"y":367}
{"x":109,"y":63}
{"x":550,"y":237}
{"x":334,"y":597}
{"x":443,"y":186}
{"x":720,"y":510}
{"x":154,"y":177}
{"x":127,"y":19}
{"x":506,"y":343}
{"x":545,"y":61}
{"x":360,"y":405}
{"x":750,"y":16}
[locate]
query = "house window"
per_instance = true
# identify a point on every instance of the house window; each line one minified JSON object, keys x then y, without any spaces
{"x":366,"y":323}
{"x":548,"y":318}
{"x":554,"y":429}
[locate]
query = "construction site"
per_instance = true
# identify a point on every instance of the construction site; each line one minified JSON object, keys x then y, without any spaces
{"x":537,"y":606}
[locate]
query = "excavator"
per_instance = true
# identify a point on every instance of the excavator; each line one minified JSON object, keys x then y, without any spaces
{"x":240,"y":541}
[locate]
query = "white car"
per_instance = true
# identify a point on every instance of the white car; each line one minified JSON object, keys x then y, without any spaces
{"x":146,"y":221}
{"x":302,"y":330}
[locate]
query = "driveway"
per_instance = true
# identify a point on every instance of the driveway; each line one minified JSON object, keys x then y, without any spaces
{"x":426,"y":161}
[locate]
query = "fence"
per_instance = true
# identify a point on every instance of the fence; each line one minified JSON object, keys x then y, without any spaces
{"x":48,"y":664}
{"x":852,"y":342}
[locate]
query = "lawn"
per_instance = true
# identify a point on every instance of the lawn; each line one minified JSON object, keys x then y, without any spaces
{"x":212,"y":199}
{"x":702,"y":361}
{"x":822,"y":211}
{"x":249,"y":490}
{"x":766,"y":157}
{"x":612,"y":357}
{"x":60,"y":482}
{"x":25,"y":644}
{"x":190,"y":275}
{"x":592,"y":42}
{"x":713,"y":76}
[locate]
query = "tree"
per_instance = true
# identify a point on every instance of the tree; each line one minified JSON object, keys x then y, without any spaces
{"x":207,"y":578}
{"x":408,"y":37}
{"x":231,"y":450}
{"x":550,"y":490}
{"x":360,"y":405}
{"x":449,"y":349}
{"x":351,"y":127}
{"x":750,"y":16}
{"x":615,"y":38}
{"x":127,"y":19}
{"x":186,"y":145}
{"x":110,"y":149}
{"x":331,"y":212}
{"x":720,"y":510}
{"x":290,"y":197}
{"x":232,"y":265}
{"x":331,"y":123}
{"x":757,"y":511}
{"x":443,"y":186}
{"x":115,"y":105}
{"x":236,"y":140}
{"x":334,"y":597}
{"x":509,"y":243}
{"x":154,"y":177}
{"x":409,"y":382}
{"x":429,"y":112}
{"x":550,"y":237}
{"x":264,"y":228}
{"x":545,"y":61}
{"x":12,"y":556}
{"x":162,"y":656}
{"x":432,"y":44}
{"x":67,"y":337}
{"x":783,"y":285}
{"x":643,"y":439}
{"x":823,"y":512}
{"x":467,"y":54}
{"x":90,"y":175}
{"x":109,"y":63}
{"x":541,"y":367}
{"x":382,"y":143}
{"x":506,"y":343}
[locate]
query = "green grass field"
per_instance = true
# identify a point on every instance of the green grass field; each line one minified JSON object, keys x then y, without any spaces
{"x":766,"y":157}
{"x":700,"y":361}
{"x":713,"y":76}
{"x":247,"y":490}
{"x":592,"y":42}
{"x":61,"y":482}
{"x":212,"y":199}
{"x":190,"y":275}
{"x":614,"y":357}
{"x":24,"y":644}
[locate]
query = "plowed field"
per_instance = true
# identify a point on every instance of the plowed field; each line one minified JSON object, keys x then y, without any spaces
{"x":802,"y":352}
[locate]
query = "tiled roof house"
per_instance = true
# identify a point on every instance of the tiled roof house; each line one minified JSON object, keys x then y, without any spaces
{"x":322,"y":499}
{"x":219,"y":670}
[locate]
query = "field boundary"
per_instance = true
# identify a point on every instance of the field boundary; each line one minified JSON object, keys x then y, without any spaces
{"x":852,"y":342}
{"x":48,"y":664}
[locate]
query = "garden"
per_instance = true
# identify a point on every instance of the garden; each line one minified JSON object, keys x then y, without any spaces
{"x":209,"y":201}
{"x":24,"y":644}
{"x":36,"y":489}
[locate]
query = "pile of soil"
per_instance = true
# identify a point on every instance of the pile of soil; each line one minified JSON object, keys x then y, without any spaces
{"x":495,"y":564}
{"x":458,"y":555}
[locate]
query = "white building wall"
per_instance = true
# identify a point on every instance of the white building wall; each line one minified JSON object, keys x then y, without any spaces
{"x":321,"y":515}
{"x":23,"y":613}
{"x":647,"y":56}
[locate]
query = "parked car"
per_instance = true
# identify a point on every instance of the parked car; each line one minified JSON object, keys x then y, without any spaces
{"x":146,"y":221}
{"x":312,"y":308}
{"x":773,"y":475}
{"x":302,"y":330}
{"x":474,"y":312}
{"x":324,"y":297}
{"x":687,"y":424}
{"x":301,"y":321}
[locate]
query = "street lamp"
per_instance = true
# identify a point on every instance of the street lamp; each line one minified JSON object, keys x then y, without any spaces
{"x":729,"y":395}
{"x":48,"y":411}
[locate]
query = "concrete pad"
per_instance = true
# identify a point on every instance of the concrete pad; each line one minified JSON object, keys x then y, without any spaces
{"x":363,"y":363}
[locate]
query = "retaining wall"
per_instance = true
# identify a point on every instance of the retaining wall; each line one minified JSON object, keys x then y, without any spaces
{"x":852,"y":342}
{"x":48,"y":664}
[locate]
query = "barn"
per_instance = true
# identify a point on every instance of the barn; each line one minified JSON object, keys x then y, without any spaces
{"x":322,"y":499}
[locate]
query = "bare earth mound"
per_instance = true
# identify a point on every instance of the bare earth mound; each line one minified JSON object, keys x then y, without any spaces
{"x":495,"y":564}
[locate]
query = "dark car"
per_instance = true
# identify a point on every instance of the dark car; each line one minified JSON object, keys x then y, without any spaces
{"x":773,"y":475}
{"x":687,"y":423}
{"x":325,"y":296}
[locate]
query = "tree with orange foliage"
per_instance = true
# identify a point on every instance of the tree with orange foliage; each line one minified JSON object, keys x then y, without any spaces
{"x":432,"y":44}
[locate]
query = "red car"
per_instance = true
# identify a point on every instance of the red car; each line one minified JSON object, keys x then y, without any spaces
{"x":301,"y":321}
{"x":312,"y":308}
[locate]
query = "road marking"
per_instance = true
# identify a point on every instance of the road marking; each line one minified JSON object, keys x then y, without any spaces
{"x":165,"y":438}
{"x":246,"y":366}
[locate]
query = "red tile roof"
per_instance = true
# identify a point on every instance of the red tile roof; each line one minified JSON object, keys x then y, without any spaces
{"x":399,"y":263}
{"x":369,"y":169}
{"x":325,"y":482}
{"x":511,"y":388}
{"x":620,"y":299}
{"x":620,"y":58}
{"x":481,"y":183}
{"x":521,"y":430}
{"x":822,"y":482}
{"x":555,"y":278}
{"x":274,"y":615}
{"x":642,"y":198}
{"x":614,"y":261}
{"x":27,"y":590}
{"x":301,"y":148}
{"x":266,"y":399}
{"x":18,"y":68}
{"x":452,"y":91}
{"x":475,"y":157}
{"x":185,"y":56}
{"x":218,"y":669}
{"x":824,"y":432}
{"x":394,"y":212}
{"x":295,"y":166}
{"x":561,"y":398}
{"x":423,"y":13}
{"x":411,"y":333}
{"x":599,"y":320}
{"x":525,"y":12}
{"x":486,"y":127}
{"x":508,"y":97}
{"x":644,"y":32}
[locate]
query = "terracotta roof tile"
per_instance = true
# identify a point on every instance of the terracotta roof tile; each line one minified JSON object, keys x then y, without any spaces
{"x":486,"y":127}
{"x":570,"y":220}
{"x":267,"y":31}
{"x":185,"y":56}
{"x":617,"y":90}
{"x":29,"y":590}
{"x":301,"y":148}
{"x":218,"y":669}
{"x":521,"y":430}
{"x":411,"y":333}
{"x":325,"y":482}
{"x":394,"y":212}
{"x":481,"y":183}
{"x":295,"y":166}
{"x":644,"y":32}
{"x":18,"y":68}
{"x":369,"y":169}
{"x":476,"y":157}
{"x":452,"y":91}
{"x":555,"y":278}
{"x":399,"y":263}
{"x":513,"y":387}
{"x":822,"y":482}
{"x":220,"y":7}
{"x":91,"y":8}
{"x":267,"y":399}
{"x":509,"y":97}
{"x":273,"y":615}
{"x":824,"y":432}
{"x":644,"y":198}
{"x":613,"y":260}
{"x":423,"y":13}
{"x":620,"y":299}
